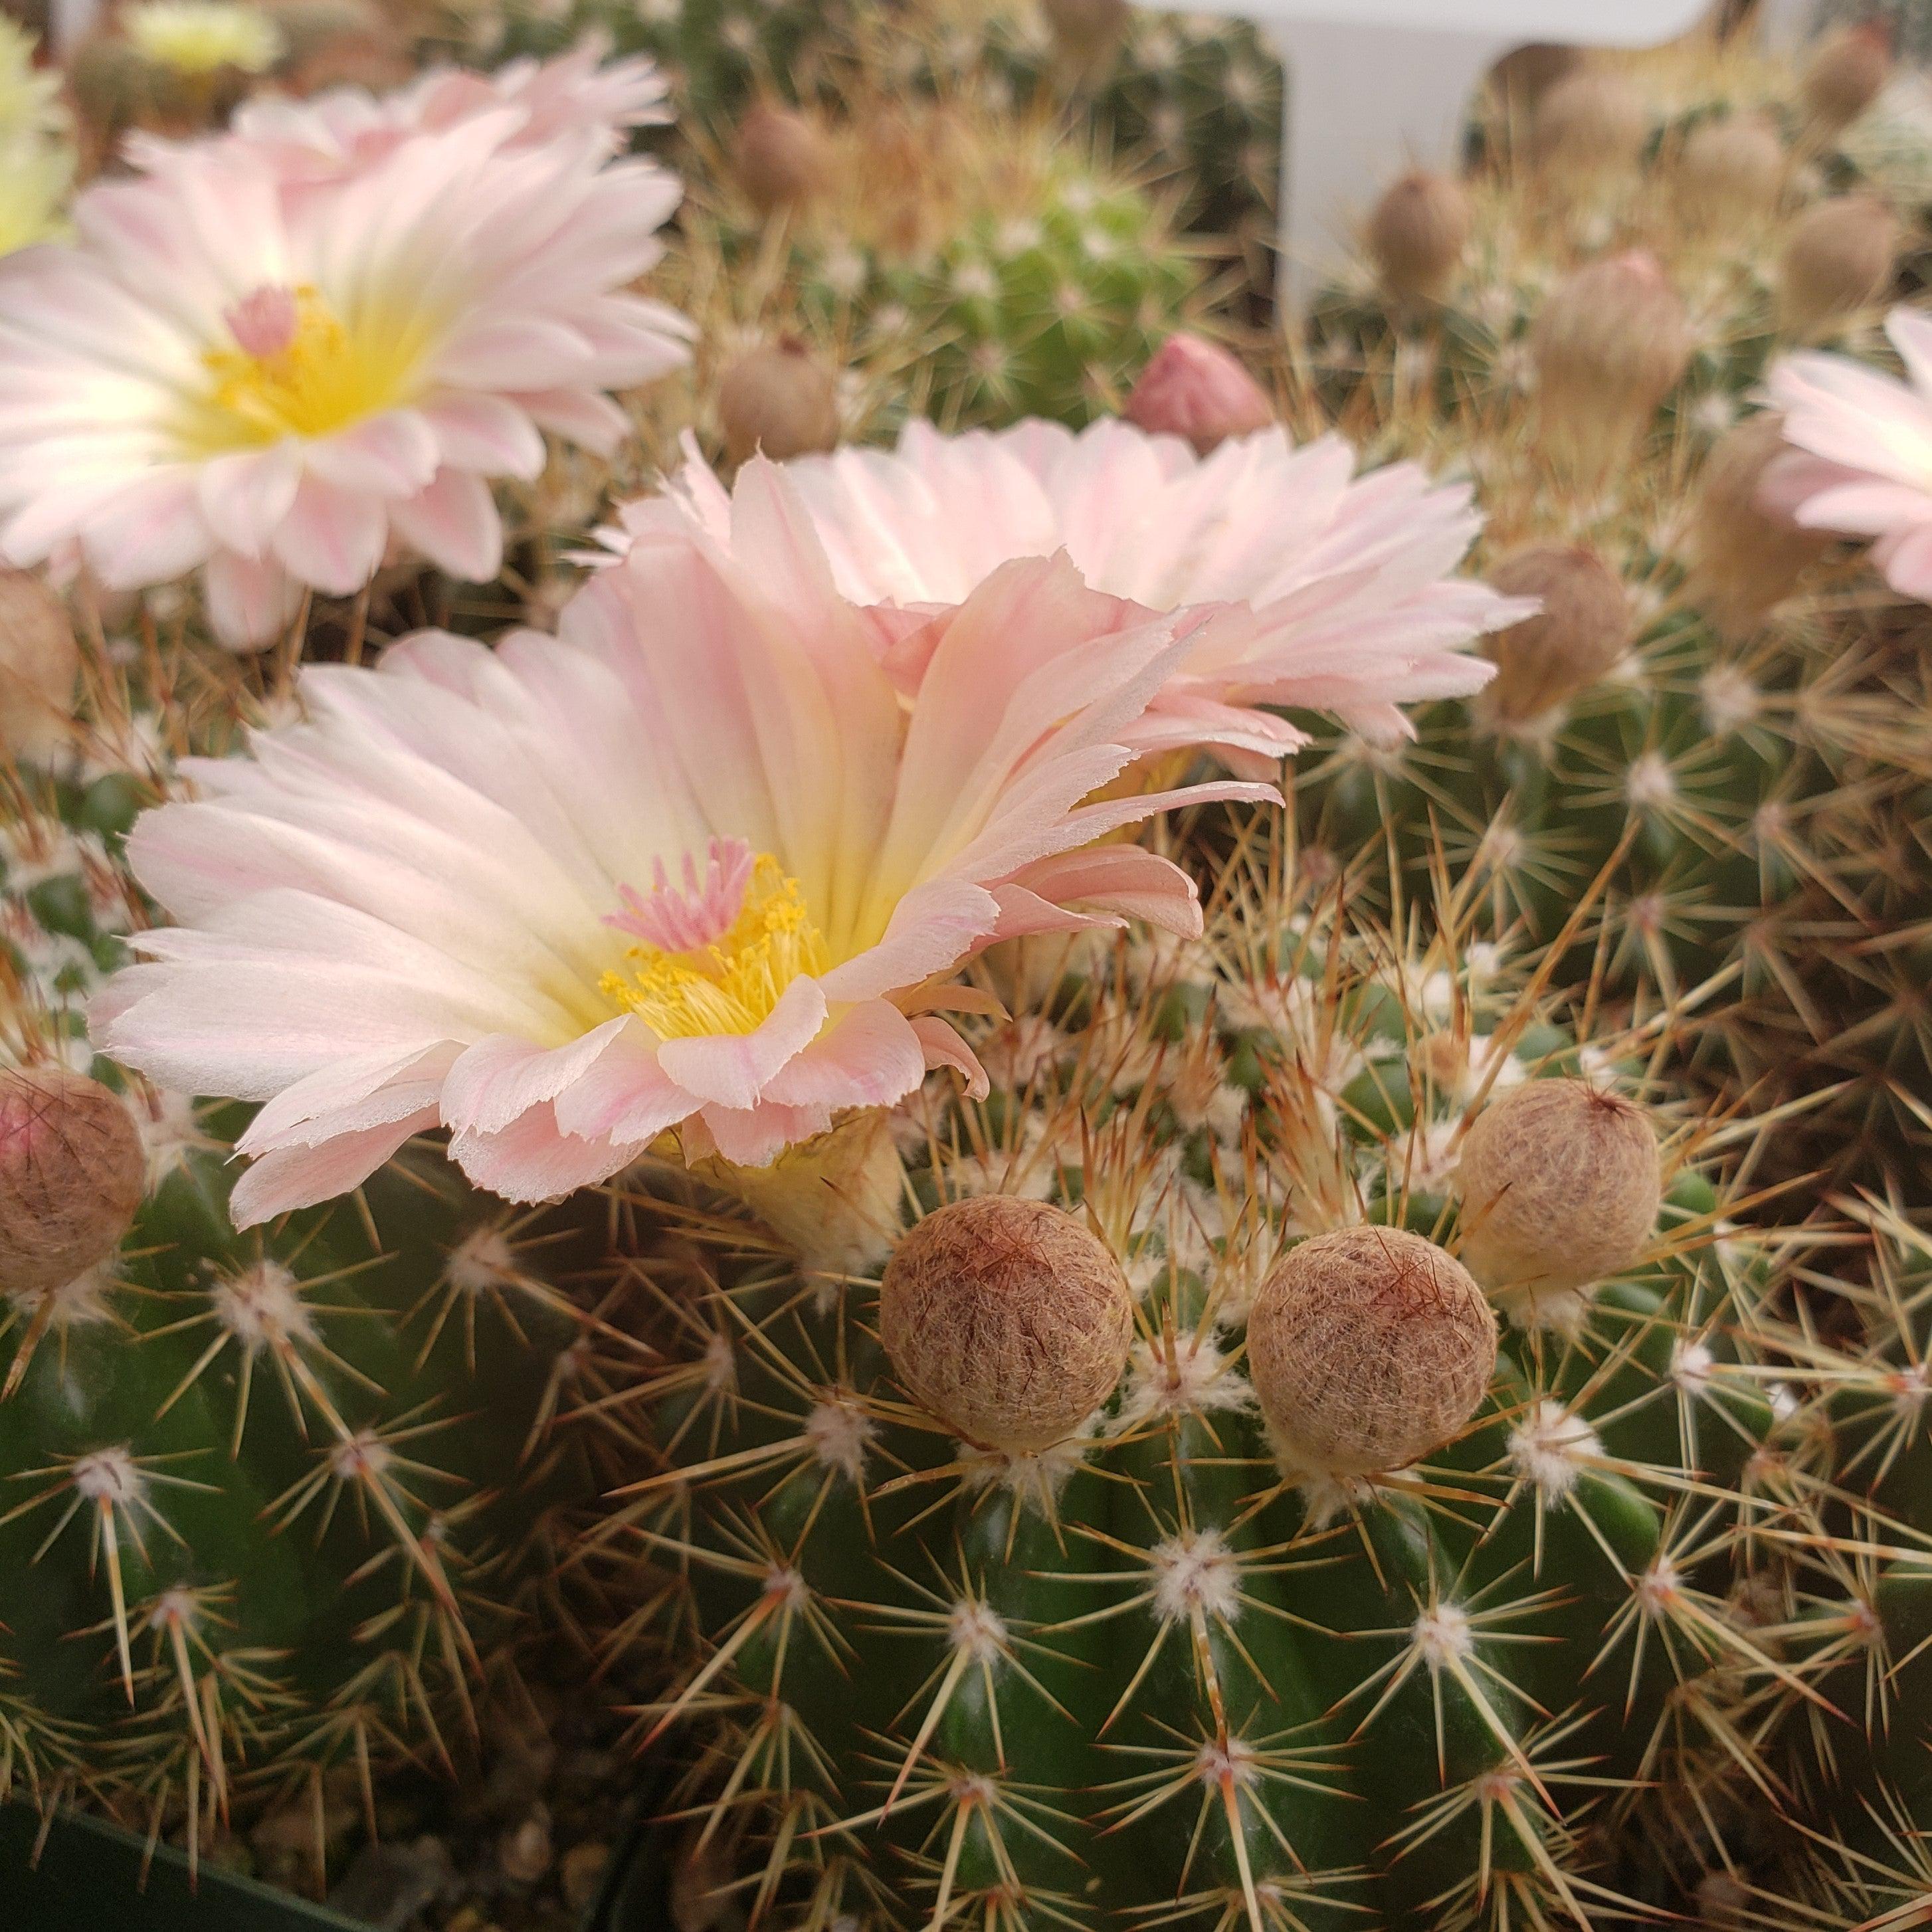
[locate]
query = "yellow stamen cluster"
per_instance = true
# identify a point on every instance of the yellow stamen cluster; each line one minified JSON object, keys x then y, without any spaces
{"x":328,"y":377}
{"x":731,"y":985}
{"x":204,"y":37}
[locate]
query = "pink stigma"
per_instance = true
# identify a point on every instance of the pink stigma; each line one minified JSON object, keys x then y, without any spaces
{"x":264,"y":323}
{"x":698,"y":913}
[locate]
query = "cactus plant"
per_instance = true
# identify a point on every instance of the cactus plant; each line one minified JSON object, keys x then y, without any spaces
{"x":1035,"y":277}
{"x":272,"y":1506}
{"x":1166,"y":1533}
{"x":1748,"y":760}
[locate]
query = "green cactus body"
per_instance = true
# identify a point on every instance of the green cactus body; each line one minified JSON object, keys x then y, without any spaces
{"x":1199,"y":97}
{"x":1046,"y":302}
{"x":717,"y":52}
{"x":270,"y":1496}
{"x":1143,"y":1673}
{"x":1835,"y":1579}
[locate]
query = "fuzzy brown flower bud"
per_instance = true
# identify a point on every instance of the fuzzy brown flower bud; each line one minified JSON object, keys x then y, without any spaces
{"x":1582,"y":630}
{"x":1839,"y":259}
{"x":1087,"y":32}
{"x":1007,"y":1320}
{"x":1196,"y":389}
{"x":780,"y":158}
{"x":1417,"y":234}
{"x":1368,"y":1347}
{"x":1611,"y":341}
{"x":72,"y":1174}
{"x":1846,"y":72}
{"x":1747,"y":555}
{"x":1560,"y":1182}
{"x":780,"y":400}
{"x":1590,"y":128}
{"x":1731,"y":172}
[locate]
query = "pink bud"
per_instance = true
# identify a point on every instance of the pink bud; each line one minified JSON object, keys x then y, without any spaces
{"x":1196,"y":389}
{"x":265,"y":322}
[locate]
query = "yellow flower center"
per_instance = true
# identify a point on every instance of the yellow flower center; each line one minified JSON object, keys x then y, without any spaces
{"x":294,"y":369}
{"x":731,"y":984}
{"x":199,"y":37}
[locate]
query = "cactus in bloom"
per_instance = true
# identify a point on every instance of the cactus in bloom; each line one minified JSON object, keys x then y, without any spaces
{"x":1173,"y":1529}
{"x":273,"y":1507}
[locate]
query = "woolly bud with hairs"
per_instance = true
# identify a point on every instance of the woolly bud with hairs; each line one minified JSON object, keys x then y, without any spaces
{"x":72,"y":1174}
{"x":780,"y":158}
{"x":1368,"y":1347}
{"x":1195,"y":388}
{"x":1839,"y":259}
{"x":40,"y":664}
{"x":1748,"y":554}
{"x":1525,"y":74}
{"x":1610,"y":342}
{"x":779,"y":399}
{"x":1007,"y":1320}
{"x":1582,"y":630}
{"x":1417,"y":233}
{"x":1731,"y":172}
{"x":1589,"y":128}
{"x":1847,"y":73}
{"x":1560,"y":1183}
{"x":1087,"y":32}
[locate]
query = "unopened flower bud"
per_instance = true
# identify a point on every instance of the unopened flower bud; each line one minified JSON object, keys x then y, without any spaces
{"x":1839,"y":259}
{"x":1560,"y":1182}
{"x":1611,"y":342}
{"x":780,"y":400}
{"x":1007,"y":1320}
{"x":1196,"y":389}
{"x":1590,"y":129}
{"x":1418,"y":233}
{"x":1731,"y":172}
{"x":1368,"y":1347}
{"x":1579,"y":635}
{"x":782,"y":159}
{"x":1747,"y":555}
{"x":1846,"y":72}
{"x":72,"y":1174}
{"x":1525,"y":74}
{"x":1087,"y":32}
{"x":40,"y":663}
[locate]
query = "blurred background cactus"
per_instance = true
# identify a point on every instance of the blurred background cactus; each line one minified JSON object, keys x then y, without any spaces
{"x":1717,"y":711}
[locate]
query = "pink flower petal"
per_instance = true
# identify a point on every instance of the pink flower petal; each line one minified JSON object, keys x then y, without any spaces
{"x":299,"y":1177}
{"x":730,"y":1070}
{"x":870,"y":1058}
{"x":532,"y":1160}
{"x":942,"y":1047}
{"x":454,"y":523}
{"x":498,"y":1080}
